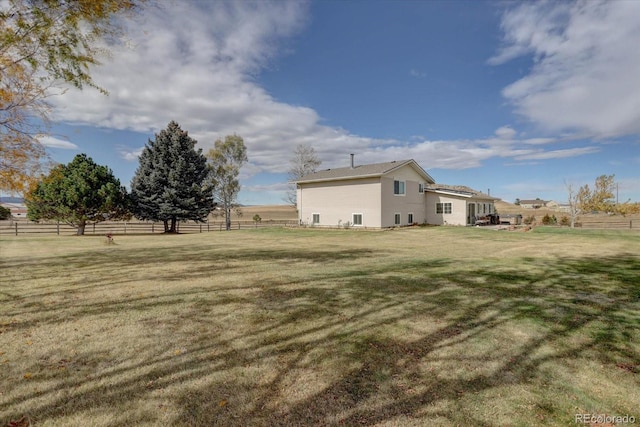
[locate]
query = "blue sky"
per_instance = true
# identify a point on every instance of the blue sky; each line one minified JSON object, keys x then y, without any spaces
{"x":516,"y":97}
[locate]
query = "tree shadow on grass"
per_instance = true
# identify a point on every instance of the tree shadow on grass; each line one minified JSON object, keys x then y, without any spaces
{"x":390,"y":382}
{"x":330,"y":351}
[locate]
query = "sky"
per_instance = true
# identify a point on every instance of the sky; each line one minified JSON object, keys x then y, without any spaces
{"x":515,"y":98}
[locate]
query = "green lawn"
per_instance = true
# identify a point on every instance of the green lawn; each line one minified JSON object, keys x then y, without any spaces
{"x":421,"y":326}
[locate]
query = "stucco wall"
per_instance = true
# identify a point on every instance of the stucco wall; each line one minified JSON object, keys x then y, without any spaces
{"x":458,"y":215}
{"x":411,"y":202}
{"x":336,"y":202}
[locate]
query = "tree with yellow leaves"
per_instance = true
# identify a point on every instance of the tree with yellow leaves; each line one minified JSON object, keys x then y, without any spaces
{"x":45,"y":43}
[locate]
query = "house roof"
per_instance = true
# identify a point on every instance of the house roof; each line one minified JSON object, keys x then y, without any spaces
{"x":533,"y":202}
{"x":459,"y":190}
{"x":363,"y":171}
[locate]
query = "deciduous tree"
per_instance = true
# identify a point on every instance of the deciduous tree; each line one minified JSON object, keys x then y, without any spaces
{"x":45,"y":43}
{"x":600,"y":199}
{"x":79,"y":193}
{"x":171,"y":183}
{"x":225,"y":161}
{"x":304,"y":161}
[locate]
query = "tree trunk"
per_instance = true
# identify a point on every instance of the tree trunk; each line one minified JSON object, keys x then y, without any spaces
{"x":166,"y":225}
{"x":80,"y":229}
{"x":173,"y":225}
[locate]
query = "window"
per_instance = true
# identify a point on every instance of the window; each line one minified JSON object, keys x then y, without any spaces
{"x":357,"y":219}
{"x":396,"y":219}
{"x":410,"y":218}
{"x":316,"y":219}
{"x":420,"y":187}
{"x":443,"y":208}
{"x":398,"y":187}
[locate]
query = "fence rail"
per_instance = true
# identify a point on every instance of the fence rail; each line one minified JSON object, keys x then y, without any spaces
{"x":618,"y":225}
{"x":117,"y":228}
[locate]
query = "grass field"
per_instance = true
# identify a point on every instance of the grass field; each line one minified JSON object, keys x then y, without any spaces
{"x":420,"y":326}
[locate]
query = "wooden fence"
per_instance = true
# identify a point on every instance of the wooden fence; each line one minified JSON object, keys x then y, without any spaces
{"x":613,"y":225}
{"x":122,"y":227}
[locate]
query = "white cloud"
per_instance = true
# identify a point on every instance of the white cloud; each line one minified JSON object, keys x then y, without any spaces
{"x":505,"y":132}
{"x":558,"y":154}
{"x":51,"y":142}
{"x":194,"y":62}
{"x":130,"y":155}
{"x":586,"y":72}
{"x":417,"y":73}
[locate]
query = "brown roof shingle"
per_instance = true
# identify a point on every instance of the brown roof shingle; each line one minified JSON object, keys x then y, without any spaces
{"x":360,"y":171}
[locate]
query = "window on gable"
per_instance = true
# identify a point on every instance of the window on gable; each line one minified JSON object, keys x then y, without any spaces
{"x":443,"y":208}
{"x":357,"y":219}
{"x":398,"y":187}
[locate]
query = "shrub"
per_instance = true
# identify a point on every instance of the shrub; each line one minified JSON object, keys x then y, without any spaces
{"x":257,"y":218}
{"x":549,"y":220}
{"x":4,"y":213}
{"x":565,"y":220}
{"x":529,"y":220}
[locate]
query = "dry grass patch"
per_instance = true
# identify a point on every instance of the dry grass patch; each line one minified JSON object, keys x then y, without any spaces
{"x":438,"y":326}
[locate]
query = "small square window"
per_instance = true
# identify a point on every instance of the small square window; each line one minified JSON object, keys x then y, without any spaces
{"x":396,"y":219}
{"x":357,"y":219}
{"x":316,"y":219}
{"x":443,"y":208}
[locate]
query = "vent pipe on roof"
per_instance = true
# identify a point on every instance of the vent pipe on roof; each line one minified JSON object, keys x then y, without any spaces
{"x":352,"y":162}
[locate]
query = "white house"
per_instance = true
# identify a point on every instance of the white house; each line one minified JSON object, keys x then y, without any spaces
{"x":382,"y":195}
{"x":457,"y":204}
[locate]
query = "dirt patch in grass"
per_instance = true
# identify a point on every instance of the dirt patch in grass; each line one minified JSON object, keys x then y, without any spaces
{"x":437,"y":326}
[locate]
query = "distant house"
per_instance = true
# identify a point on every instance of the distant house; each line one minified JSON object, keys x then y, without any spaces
{"x":533,"y":204}
{"x":382,"y":195}
{"x":18,"y":210}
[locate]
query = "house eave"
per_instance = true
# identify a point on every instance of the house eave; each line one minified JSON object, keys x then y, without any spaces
{"x":465,"y":195}
{"x":343,"y":178}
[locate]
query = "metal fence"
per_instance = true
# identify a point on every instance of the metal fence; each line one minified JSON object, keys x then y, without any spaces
{"x":124,"y":227}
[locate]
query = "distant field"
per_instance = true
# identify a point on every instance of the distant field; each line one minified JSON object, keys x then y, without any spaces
{"x":412,"y":327}
{"x":267,"y":212}
{"x":598,"y":220}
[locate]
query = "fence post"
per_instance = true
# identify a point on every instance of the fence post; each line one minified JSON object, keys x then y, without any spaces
{"x":94,"y":228}
{"x":630,"y":223}
{"x":16,"y":228}
{"x":58,"y":228}
{"x":152,"y":225}
{"x":207,"y":226}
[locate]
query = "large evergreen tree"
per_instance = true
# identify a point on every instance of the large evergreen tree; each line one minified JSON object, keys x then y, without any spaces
{"x":79,"y":193}
{"x":171,"y":182}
